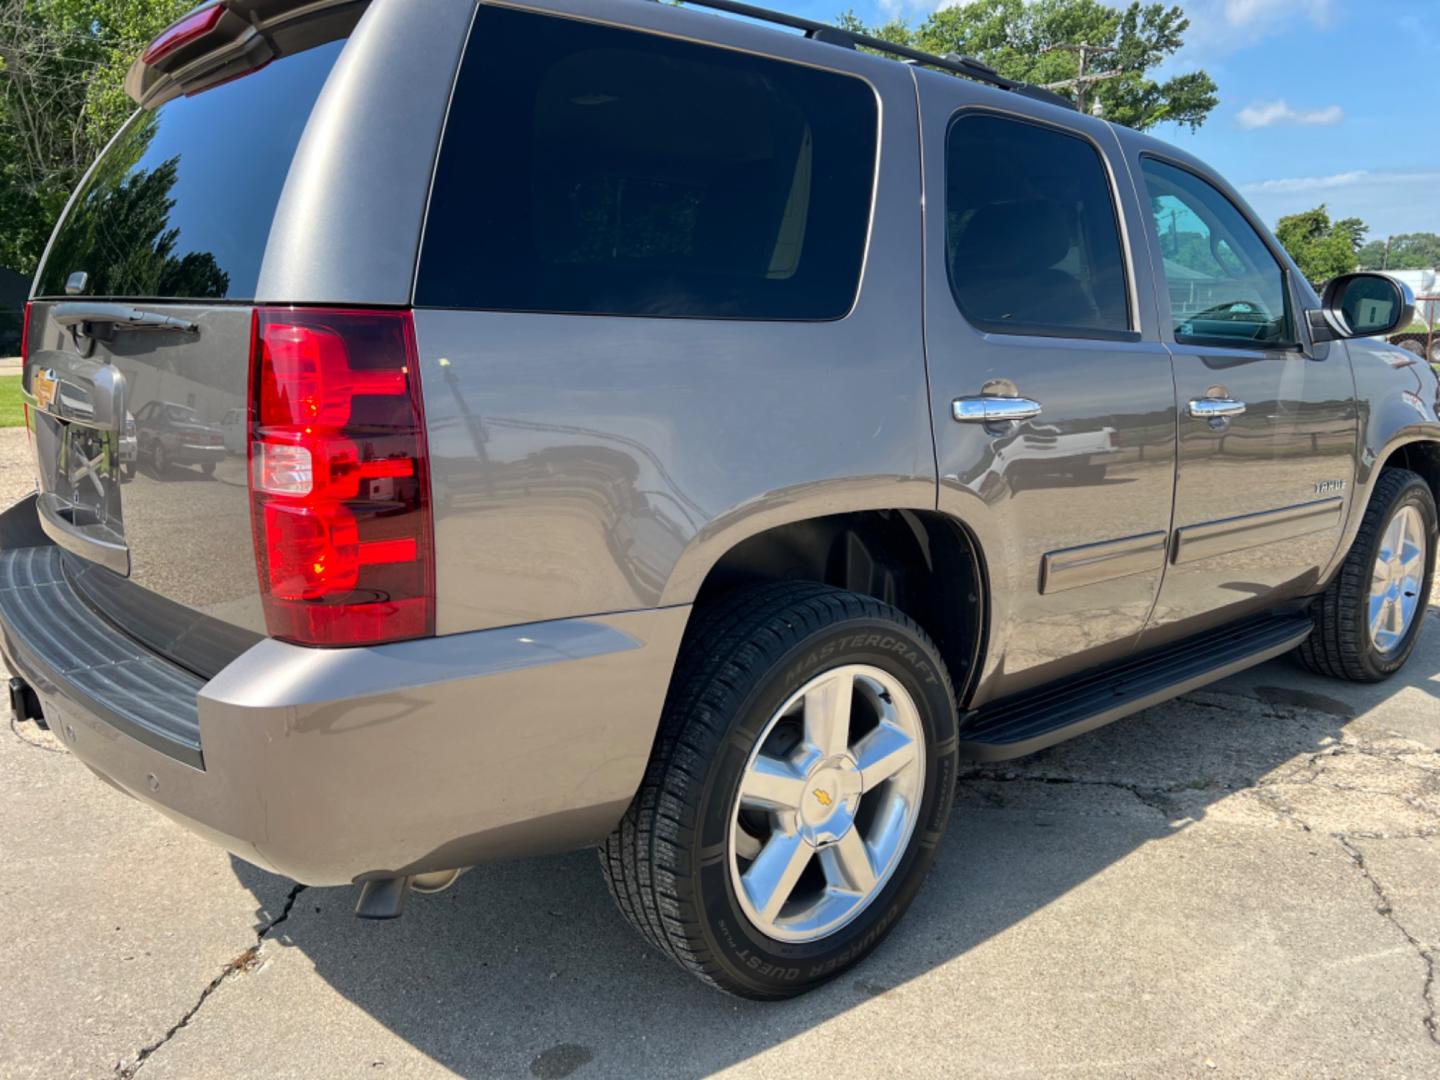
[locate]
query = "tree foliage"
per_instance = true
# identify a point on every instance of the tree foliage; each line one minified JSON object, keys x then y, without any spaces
{"x":1320,"y":247}
{"x":1408,"y":251}
{"x":1019,"y":39}
{"x":62,"y":72}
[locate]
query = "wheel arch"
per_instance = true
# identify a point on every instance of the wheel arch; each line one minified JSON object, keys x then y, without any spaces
{"x":1421,"y":456}
{"x":923,"y":562}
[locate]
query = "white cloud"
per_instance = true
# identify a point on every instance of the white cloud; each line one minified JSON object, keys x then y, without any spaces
{"x":1390,"y":202}
{"x":1338,"y":180}
{"x":1242,"y":13}
{"x":1263,"y":114}
{"x":1221,"y":27}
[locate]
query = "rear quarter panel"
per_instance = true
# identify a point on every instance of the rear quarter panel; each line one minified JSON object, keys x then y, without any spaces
{"x":585,"y":464}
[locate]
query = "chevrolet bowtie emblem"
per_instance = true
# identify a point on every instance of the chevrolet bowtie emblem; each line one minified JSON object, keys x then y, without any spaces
{"x":823,"y":796}
{"x":43,"y":386}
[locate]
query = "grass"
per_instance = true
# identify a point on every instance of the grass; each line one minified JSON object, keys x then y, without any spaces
{"x":12,"y":412}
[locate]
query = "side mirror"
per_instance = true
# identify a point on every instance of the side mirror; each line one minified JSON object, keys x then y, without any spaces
{"x":1361,"y":305}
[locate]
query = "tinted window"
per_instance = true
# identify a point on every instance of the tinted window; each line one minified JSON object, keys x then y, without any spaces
{"x":1031,"y":231}
{"x":1225,"y":287}
{"x":180,"y":205}
{"x":600,"y":171}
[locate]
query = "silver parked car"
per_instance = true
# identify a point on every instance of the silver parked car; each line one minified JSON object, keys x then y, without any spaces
{"x":673,"y":434}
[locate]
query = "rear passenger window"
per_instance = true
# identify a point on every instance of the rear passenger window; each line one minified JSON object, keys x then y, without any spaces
{"x":1031,"y":234}
{"x":589,"y":170}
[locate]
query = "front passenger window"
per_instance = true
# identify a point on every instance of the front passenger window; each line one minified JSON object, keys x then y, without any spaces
{"x":1225,"y":287}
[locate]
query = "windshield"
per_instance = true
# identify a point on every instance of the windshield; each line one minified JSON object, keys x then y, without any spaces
{"x":180,"y":205}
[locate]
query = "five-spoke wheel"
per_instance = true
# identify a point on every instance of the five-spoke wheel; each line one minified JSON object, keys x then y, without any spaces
{"x":797,"y":791}
{"x":1398,"y":577}
{"x":827,"y":802}
{"x":1370,"y":615}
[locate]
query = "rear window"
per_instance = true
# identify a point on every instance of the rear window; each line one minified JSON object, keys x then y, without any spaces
{"x":1032,"y":233}
{"x":180,"y":205}
{"x":590,"y":170}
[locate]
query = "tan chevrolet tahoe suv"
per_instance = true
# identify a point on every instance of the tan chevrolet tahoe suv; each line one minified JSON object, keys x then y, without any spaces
{"x":471,"y":429}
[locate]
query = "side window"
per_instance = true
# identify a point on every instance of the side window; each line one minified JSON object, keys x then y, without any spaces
{"x":592,"y":170}
{"x":1032,"y":239}
{"x":1225,"y":287}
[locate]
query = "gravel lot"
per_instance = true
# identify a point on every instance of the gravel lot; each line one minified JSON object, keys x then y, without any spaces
{"x":1242,"y":882}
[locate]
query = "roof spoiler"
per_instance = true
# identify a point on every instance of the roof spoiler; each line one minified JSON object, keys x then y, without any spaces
{"x":225,"y":39}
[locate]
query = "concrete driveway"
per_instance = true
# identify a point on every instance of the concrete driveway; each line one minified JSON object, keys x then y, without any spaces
{"x":1244,"y":882}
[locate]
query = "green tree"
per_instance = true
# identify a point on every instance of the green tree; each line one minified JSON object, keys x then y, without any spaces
{"x":1033,"y":40}
{"x":1408,"y":251}
{"x":1320,"y":247}
{"x":62,"y":72}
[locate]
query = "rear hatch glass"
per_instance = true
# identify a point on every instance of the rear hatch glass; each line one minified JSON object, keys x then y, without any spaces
{"x":180,"y":205}
{"x":143,"y":479}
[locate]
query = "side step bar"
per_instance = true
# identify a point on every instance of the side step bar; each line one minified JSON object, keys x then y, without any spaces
{"x":1038,"y":718}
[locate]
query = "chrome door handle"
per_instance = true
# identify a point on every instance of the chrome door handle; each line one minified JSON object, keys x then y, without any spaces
{"x":993,"y":410}
{"x":1210,"y":408}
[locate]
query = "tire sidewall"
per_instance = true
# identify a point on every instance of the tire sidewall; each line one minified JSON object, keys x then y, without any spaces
{"x":1416,"y":494}
{"x":778,"y":967}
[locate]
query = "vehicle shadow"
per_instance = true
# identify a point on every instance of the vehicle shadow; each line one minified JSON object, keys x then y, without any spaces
{"x":529,"y":966}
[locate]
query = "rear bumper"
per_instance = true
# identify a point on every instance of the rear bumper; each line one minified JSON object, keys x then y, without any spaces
{"x":332,"y":766}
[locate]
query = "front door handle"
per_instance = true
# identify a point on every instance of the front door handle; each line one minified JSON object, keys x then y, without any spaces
{"x":993,"y":410}
{"x":1211,"y":408}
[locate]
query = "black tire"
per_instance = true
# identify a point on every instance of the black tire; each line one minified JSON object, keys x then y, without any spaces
{"x":1340,"y":645}
{"x":127,"y":472}
{"x":740,"y":661}
{"x":159,"y":461}
{"x":208,"y":468}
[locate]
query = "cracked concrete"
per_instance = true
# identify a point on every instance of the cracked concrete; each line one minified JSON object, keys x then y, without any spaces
{"x":247,"y":961}
{"x":1245,"y":881}
{"x":1387,"y":910}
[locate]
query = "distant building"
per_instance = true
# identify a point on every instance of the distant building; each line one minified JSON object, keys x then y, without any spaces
{"x":1425,"y":284}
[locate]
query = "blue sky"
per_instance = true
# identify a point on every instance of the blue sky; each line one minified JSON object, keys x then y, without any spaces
{"x":1334,"y":101}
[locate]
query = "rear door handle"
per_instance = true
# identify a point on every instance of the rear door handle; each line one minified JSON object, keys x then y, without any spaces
{"x":993,"y":410}
{"x":1210,"y":408}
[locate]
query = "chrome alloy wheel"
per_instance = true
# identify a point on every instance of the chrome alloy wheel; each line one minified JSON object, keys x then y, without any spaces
{"x":1397,"y":578}
{"x":827,"y":803}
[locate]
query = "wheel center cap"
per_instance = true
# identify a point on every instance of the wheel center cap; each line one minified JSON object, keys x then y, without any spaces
{"x":832,"y":795}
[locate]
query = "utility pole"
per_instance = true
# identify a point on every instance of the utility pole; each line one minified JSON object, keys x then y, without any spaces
{"x":1385,"y":262}
{"x":1081,"y":83}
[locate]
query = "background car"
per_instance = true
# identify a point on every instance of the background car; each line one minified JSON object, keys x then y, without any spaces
{"x":235,"y":428}
{"x":171,"y":434}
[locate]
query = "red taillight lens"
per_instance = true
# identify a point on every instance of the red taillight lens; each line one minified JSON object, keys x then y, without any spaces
{"x":25,"y":332}
{"x":195,"y":25}
{"x":338,"y":477}
{"x":24,"y":356}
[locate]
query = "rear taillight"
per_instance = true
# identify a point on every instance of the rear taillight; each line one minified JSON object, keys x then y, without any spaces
{"x":339,"y":484}
{"x":24,"y":357}
{"x":192,"y":27}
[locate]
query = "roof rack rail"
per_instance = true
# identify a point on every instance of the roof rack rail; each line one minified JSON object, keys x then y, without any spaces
{"x":845,"y":39}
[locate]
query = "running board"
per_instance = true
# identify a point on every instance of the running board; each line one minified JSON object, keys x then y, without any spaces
{"x":1038,"y":718}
